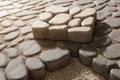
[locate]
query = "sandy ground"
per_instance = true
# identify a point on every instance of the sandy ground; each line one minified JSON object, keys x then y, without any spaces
{"x":75,"y":71}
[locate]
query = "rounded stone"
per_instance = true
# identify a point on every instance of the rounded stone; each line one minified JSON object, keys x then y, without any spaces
{"x":19,"y":23}
{"x":3,"y":60}
{"x":2,"y":75}
{"x":114,"y":35}
{"x":112,"y":22}
{"x":11,"y":36}
{"x":6,"y":23}
{"x":74,"y":10}
{"x":101,"y":30}
{"x":11,"y":52}
{"x":86,"y":13}
{"x":56,"y":58}
{"x":112,"y":52}
{"x":86,"y":54}
{"x":89,"y":21}
{"x":115,"y":74}
{"x":16,"y":69}
{"x":75,"y":22}
{"x":29,"y":48}
{"x":62,"y":18}
{"x":45,"y":16}
{"x":36,"y":68}
{"x":102,"y":42}
{"x":56,"y":9}
{"x":26,"y":30}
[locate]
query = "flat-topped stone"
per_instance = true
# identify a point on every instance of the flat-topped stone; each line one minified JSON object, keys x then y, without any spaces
{"x":2,"y":74}
{"x":75,"y":22}
{"x":74,"y":10}
{"x":6,"y":23}
{"x":88,"y":22}
{"x":3,"y":60}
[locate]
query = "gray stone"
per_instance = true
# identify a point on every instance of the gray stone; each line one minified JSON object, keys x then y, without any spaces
{"x":36,"y":68}
{"x":29,"y":48}
{"x":101,"y":1}
{"x":58,"y":32}
{"x":116,"y":1}
{"x":3,"y":60}
{"x":116,"y":14}
{"x":111,"y":8}
{"x":16,"y":69}
{"x":86,"y":54}
{"x":62,"y":18}
{"x":40,"y":29}
{"x":2,"y":46}
{"x":100,"y":16}
{"x":115,"y":74}
{"x":102,"y":66}
{"x":55,"y":59}
{"x":90,"y":5}
{"x":11,"y":52}
{"x":99,"y":7}
{"x":82,"y":2}
{"x":112,"y":22}
{"x":11,"y":36}
{"x":2,"y":75}
{"x":75,"y":22}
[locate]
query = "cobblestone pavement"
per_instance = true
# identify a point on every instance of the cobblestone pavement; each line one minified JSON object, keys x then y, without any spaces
{"x":24,"y":58}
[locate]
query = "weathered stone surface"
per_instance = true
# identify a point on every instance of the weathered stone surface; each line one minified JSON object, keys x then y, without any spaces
{"x":19,"y":23}
{"x":111,"y":8}
{"x":6,"y":23}
{"x":28,"y":17}
{"x":2,"y":75}
{"x":2,"y":46}
{"x":102,"y":66}
{"x":26,"y":30}
{"x":11,"y":36}
{"x":74,"y":22}
{"x":76,"y":34}
{"x":90,"y":5}
{"x":58,"y":32}
{"x":16,"y":69}
{"x":40,"y":29}
{"x":101,"y":1}
{"x":55,"y":59}
{"x":3,"y":13}
{"x":12,"y":17}
{"x":56,"y":9}
{"x":5,"y":3}
{"x":100,"y":16}
{"x":29,"y":48}
{"x":74,"y":10}
{"x":88,"y":22}
{"x":116,"y":1}
{"x":60,"y":19}
{"x":30,"y":36}
{"x":3,"y":60}
{"x":36,"y":68}
{"x":45,"y":16}
{"x":115,"y":74}
{"x":8,"y":30}
{"x":11,"y":52}
{"x":112,"y":52}
{"x":114,"y":35}
{"x":116,"y":14}
{"x":101,"y":30}
{"x":112,"y":22}
{"x":82,"y":2}
{"x":86,"y":13}
{"x":86,"y":54}
{"x":102,"y":42}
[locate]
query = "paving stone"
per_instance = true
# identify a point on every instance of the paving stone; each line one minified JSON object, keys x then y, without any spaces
{"x":74,"y":10}
{"x":86,"y":13}
{"x":101,"y":30}
{"x":16,"y":69}
{"x":102,"y":42}
{"x":56,"y":9}
{"x":40,"y":29}
{"x":6,"y":23}
{"x":60,"y":19}
{"x":74,"y":22}
{"x":76,"y":34}
{"x":16,"y":41}
{"x":2,"y":75}
{"x":112,"y":22}
{"x":5,"y":3}
{"x":82,"y":2}
{"x":115,"y":74}
{"x":27,"y":8}
{"x":11,"y":52}
{"x":100,"y":16}
{"x":101,"y":1}
{"x":89,"y":21}
{"x":19,"y":23}
{"x":2,"y":46}
{"x":115,"y":35}
{"x":3,"y":13}
{"x":90,"y":5}
{"x":111,"y":3}
{"x":118,"y":64}
{"x":86,"y":54}
{"x":99,"y":7}
{"x":111,"y":8}
{"x":17,"y":5}
{"x":30,"y":36}
{"x":45,"y":16}
{"x":26,"y":30}
{"x":58,"y":32}
{"x":24,"y":1}
{"x":102,"y":66}
{"x":29,"y":48}
{"x":11,"y":36}
{"x":62,"y":1}
{"x":9,"y":29}
{"x":116,"y":1}
{"x":105,"y":12}
{"x":36,"y":68}
{"x":28,"y":17}
{"x":3,"y":60}
{"x":116,"y":14}
{"x":112,"y":52}
{"x":55,"y":59}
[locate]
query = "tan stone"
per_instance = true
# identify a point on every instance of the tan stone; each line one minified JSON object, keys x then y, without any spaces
{"x":75,"y":22}
{"x":74,"y":10}
{"x":88,"y":22}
